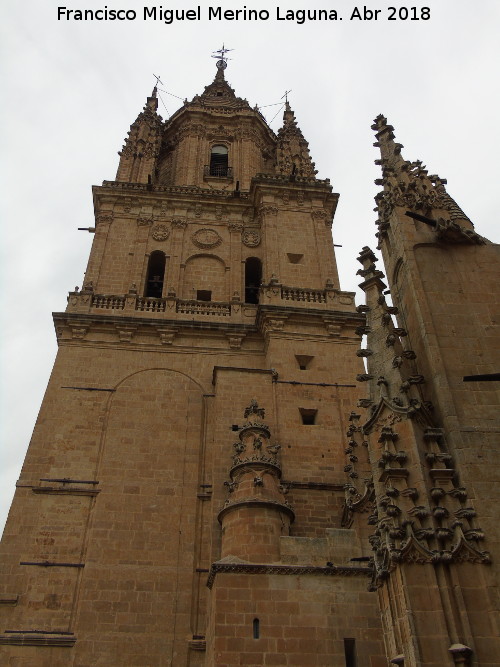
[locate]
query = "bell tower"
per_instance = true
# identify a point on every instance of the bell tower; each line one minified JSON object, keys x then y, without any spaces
{"x":180,"y":502}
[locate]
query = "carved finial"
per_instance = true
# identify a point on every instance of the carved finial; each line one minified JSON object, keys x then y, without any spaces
{"x":389,"y":149}
{"x":366,"y":256}
{"x":253,"y":409}
{"x":152,"y":101}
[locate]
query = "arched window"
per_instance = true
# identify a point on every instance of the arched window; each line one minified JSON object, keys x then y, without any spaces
{"x":155,"y":275}
{"x":219,"y":161}
{"x":253,"y":278}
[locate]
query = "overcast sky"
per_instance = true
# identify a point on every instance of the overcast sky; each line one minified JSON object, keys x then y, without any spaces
{"x":71,"y":89}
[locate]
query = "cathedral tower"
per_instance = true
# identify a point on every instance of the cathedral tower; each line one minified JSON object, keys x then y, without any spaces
{"x":181,"y":498}
{"x":215,"y":477}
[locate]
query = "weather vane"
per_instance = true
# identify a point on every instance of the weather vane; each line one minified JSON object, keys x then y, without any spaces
{"x":286,"y":95}
{"x":221,"y":57}
{"x":158,"y":80}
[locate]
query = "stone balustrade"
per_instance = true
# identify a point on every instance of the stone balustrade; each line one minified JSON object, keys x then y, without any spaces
{"x":299,"y":294}
{"x":108,"y":301}
{"x":171,"y":306}
{"x":192,"y":307}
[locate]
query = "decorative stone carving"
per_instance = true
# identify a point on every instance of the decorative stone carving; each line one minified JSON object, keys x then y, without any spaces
{"x":125,"y":334}
{"x":104,"y":218}
{"x":79,"y":330}
{"x":253,"y":409}
{"x":319,"y":214}
{"x":160,"y":232}
{"x":206,"y":238}
{"x":166,"y":335}
{"x":236,"y":227}
{"x":143,"y":221}
{"x":235,"y":340}
{"x":162,"y":213}
{"x":268,"y":210}
{"x":251,"y":238}
{"x":179,"y":223}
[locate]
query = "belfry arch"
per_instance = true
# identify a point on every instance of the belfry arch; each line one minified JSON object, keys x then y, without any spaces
{"x":253,"y":279}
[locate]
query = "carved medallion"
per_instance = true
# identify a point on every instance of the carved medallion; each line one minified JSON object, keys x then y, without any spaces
{"x":251,"y":238}
{"x":206,"y":238}
{"x":160,"y":232}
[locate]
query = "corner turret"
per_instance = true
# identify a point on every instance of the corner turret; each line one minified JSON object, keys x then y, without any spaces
{"x":255,"y":514}
{"x":142,"y":145}
{"x":292,"y":155}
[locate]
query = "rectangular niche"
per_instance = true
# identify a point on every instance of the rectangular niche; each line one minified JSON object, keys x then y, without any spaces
{"x":203,"y":295}
{"x":308,"y":416}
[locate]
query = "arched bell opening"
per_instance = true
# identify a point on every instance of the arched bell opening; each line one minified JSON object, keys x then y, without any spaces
{"x":253,"y":278}
{"x":219,"y":161}
{"x":155,"y":276}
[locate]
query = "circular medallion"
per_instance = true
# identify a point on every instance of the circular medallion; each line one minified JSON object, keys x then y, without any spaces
{"x":206,"y":238}
{"x":160,"y":232}
{"x":251,"y":238}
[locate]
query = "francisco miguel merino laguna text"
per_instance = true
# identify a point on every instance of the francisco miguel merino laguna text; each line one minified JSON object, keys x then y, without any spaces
{"x":195,"y":14}
{"x":300,"y":16}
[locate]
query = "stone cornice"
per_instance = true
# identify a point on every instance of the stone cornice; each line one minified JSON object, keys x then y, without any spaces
{"x":352,"y":318}
{"x":290,"y":570}
{"x":146,"y":190}
{"x":278,"y":181}
{"x":243,"y":110}
{"x":37,"y":638}
{"x":124,"y":320}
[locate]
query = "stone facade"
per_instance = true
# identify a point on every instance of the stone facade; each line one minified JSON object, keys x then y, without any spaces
{"x":200,"y":488}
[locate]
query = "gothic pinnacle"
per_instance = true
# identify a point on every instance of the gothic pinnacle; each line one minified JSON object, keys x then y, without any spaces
{"x":408,"y":184}
{"x":293,"y":158}
{"x":152,"y":101}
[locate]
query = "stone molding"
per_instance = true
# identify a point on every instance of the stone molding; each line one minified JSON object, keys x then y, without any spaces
{"x":287,"y":570}
{"x":37,"y":638}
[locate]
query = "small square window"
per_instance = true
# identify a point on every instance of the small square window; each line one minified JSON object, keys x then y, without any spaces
{"x":203,"y":295}
{"x":308,"y":416}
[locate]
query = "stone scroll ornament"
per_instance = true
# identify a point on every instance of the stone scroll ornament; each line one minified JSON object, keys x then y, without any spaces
{"x":206,"y":238}
{"x":160,"y":232}
{"x":251,"y":238}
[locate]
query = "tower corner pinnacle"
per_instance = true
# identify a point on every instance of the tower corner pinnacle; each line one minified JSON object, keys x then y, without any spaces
{"x":293,"y":157}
